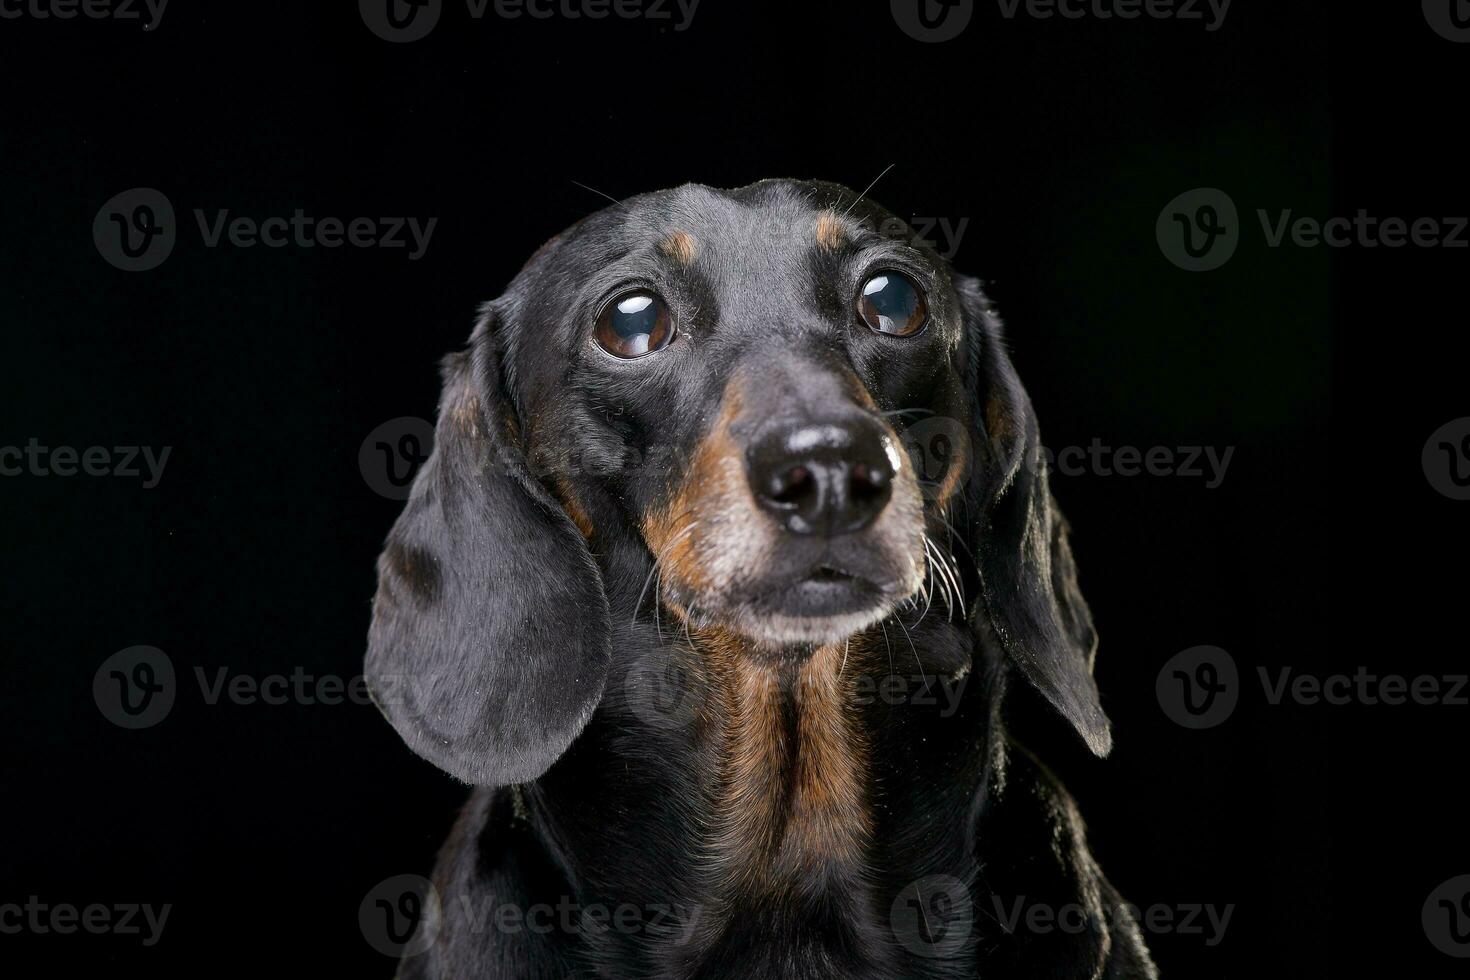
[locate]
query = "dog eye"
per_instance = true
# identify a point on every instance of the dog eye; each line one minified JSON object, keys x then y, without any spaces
{"x":892,"y":303}
{"x":634,"y":324}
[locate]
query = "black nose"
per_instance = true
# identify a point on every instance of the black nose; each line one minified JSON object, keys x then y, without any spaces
{"x":823,"y":478}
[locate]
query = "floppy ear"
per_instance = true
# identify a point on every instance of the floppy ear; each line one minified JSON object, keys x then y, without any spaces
{"x":489,"y":645}
{"x":1028,"y":581}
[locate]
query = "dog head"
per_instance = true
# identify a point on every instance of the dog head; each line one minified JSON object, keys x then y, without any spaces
{"x":763,"y":402}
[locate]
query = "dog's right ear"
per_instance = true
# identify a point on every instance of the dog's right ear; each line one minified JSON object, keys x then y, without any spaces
{"x":489,"y":645}
{"x":1028,"y":580}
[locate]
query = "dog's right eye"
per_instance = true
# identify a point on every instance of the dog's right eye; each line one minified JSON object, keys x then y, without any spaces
{"x":634,"y":324}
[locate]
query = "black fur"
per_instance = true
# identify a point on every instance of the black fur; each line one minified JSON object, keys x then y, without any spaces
{"x":514,"y":652}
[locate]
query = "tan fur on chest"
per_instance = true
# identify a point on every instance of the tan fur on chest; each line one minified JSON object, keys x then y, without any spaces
{"x":791,"y":799}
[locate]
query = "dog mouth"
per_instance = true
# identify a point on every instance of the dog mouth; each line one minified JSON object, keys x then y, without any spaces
{"x":822,"y":603}
{"x":824,"y":590}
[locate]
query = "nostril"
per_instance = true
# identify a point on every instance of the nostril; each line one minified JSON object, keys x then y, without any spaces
{"x":789,"y":487}
{"x":869,"y":482}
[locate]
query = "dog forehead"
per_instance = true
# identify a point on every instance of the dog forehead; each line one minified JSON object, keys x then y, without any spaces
{"x":755,"y":227}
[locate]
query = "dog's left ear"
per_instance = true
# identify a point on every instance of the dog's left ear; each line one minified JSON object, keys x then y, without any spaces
{"x":489,"y":645}
{"x":1028,"y":581}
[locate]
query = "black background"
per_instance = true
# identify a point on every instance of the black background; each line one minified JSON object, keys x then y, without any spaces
{"x":264,"y":369}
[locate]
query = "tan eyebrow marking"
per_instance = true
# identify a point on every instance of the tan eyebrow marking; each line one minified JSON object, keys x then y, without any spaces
{"x":679,"y":246}
{"x":829,"y":230}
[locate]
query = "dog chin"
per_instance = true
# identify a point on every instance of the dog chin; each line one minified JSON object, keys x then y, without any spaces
{"x":781,"y":633}
{"x":809,"y":615}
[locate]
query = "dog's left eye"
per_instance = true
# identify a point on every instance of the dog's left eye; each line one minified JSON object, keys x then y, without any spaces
{"x":634,"y":324}
{"x":892,"y":303}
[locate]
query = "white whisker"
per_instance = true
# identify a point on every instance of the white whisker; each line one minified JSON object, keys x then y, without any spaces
{"x":654,"y":572}
{"x":912,"y":648}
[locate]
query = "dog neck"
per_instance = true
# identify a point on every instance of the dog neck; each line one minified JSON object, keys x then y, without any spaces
{"x":770,"y":795}
{"x":791,"y":802}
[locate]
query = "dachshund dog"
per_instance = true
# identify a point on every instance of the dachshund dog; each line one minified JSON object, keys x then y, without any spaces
{"x":735,"y":531}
